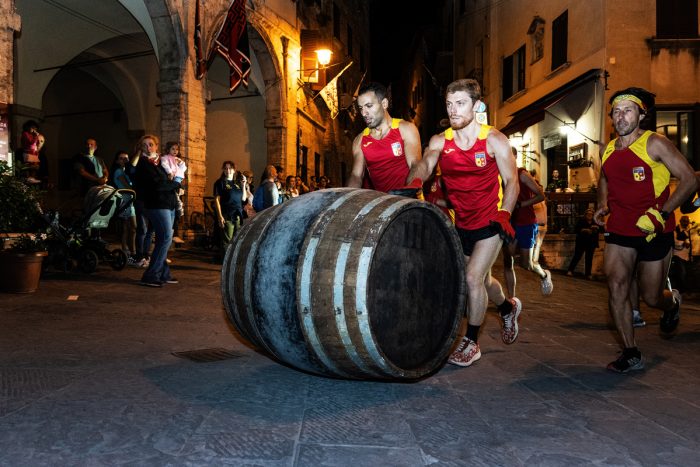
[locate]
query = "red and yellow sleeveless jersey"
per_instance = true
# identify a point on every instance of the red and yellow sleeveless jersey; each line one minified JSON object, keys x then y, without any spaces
{"x":385,"y":158}
{"x":472,"y":180}
{"x":524,"y":215}
{"x":635,"y":183}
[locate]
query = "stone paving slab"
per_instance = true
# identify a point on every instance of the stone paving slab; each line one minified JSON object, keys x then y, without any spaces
{"x":94,"y":382}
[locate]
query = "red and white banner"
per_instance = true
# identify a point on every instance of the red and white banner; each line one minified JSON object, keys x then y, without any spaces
{"x":232,"y":44}
{"x":200,"y":66}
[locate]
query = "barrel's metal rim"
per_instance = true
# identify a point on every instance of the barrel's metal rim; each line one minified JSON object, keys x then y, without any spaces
{"x":304,"y":307}
{"x":247,"y":287}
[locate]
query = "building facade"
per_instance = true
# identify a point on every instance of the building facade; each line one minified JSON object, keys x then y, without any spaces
{"x":548,"y":68}
{"x":118,"y":69}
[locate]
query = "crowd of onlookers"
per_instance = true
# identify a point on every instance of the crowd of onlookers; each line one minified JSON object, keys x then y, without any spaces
{"x":237,"y":197}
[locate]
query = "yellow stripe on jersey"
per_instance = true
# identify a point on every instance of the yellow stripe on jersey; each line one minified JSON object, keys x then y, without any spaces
{"x":394,"y":124}
{"x":500,"y":192}
{"x":484,"y":131}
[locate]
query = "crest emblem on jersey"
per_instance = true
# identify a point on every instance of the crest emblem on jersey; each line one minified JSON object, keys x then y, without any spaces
{"x":638,"y":174}
{"x":396,"y":149}
{"x":480,"y":159}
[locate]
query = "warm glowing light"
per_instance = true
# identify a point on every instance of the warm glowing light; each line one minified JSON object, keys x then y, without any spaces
{"x":565,"y":129}
{"x":324,"y":56}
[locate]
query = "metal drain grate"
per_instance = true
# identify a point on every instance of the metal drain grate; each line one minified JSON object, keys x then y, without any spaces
{"x":208,"y":355}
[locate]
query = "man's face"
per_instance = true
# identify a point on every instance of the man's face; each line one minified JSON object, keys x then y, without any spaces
{"x":91,"y":146}
{"x":626,"y":117}
{"x":460,"y":109}
{"x":372,"y":109}
{"x":685,"y":222}
{"x":555,"y":173}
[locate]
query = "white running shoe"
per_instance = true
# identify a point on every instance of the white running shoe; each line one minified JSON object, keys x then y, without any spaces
{"x":547,"y":286}
{"x":467,"y":353}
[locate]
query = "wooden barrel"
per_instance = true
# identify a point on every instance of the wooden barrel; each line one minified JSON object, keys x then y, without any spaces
{"x":348,"y":283}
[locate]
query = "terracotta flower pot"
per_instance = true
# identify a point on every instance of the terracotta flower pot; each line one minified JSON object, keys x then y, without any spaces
{"x":20,"y":272}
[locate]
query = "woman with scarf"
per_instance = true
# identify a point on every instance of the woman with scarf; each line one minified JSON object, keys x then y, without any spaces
{"x":158,"y":191}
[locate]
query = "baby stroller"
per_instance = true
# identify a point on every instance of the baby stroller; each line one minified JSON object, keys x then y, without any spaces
{"x":80,"y":244}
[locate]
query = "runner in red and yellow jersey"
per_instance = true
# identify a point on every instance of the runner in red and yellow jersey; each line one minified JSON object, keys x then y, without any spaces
{"x":387,"y":148}
{"x":481,"y":180}
{"x":525,"y":225}
{"x":634,"y":192}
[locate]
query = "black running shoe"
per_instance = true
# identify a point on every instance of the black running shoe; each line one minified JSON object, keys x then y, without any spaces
{"x":627,"y":361}
{"x":669,"y":320}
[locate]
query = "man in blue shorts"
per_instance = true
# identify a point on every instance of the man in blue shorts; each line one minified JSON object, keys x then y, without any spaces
{"x":524,"y":223}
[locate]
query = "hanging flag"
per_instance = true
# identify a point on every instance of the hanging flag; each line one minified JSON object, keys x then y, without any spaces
{"x":330,"y":93}
{"x":200,"y":66}
{"x":232,"y":44}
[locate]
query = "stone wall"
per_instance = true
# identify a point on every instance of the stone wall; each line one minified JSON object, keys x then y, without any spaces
{"x":9,"y":23}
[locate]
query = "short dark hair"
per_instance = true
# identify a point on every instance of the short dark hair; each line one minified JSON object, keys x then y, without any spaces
{"x":470,"y":86}
{"x":29,"y":124}
{"x":378,"y":89}
{"x":170,"y":144}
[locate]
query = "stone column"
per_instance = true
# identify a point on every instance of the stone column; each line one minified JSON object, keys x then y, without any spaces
{"x":183,"y":119}
{"x":9,"y":23}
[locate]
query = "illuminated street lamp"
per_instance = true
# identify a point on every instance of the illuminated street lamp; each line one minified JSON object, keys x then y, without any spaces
{"x":324,"y":56}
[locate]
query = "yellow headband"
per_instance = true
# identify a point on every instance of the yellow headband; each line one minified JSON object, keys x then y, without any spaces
{"x":629,"y":97}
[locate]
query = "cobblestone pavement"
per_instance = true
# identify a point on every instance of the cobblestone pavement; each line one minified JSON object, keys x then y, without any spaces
{"x":94,"y":381}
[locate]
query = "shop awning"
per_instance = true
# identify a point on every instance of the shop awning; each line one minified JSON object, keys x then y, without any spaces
{"x":535,"y":112}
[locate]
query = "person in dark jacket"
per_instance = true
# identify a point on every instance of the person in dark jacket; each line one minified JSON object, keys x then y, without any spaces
{"x":158,"y":191}
{"x":586,"y":243}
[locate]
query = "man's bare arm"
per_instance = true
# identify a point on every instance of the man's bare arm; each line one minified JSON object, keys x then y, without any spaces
{"x":500,"y":146}
{"x":358,"y":165}
{"x":662,"y":149}
{"x":424,"y":168}
{"x":411,"y":145}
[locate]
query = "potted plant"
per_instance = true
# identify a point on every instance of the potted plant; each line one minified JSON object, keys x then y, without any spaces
{"x":23,"y":241}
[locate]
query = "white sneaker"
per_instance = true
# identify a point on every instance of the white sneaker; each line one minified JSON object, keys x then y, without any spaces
{"x":178,"y":240}
{"x":130,"y":261}
{"x":144,"y":263}
{"x":467,"y":353}
{"x":547,"y":286}
{"x":510,"y":322}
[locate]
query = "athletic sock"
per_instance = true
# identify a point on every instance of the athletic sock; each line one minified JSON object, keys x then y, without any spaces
{"x":472,"y":332}
{"x":505,"y":307}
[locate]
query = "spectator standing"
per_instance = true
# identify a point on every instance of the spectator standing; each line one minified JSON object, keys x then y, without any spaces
{"x":302,"y":188}
{"x":682,"y":253}
{"x":159,"y":194}
{"x":175,"y":167}
{"x":290,"y":189}
{"x":230,"y":193}
{"x":30,"y":151}
{"x":586,"y":242}
{"x":90,"y":168}
{"x":121,"y":180}
{"x":267,"y":192}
